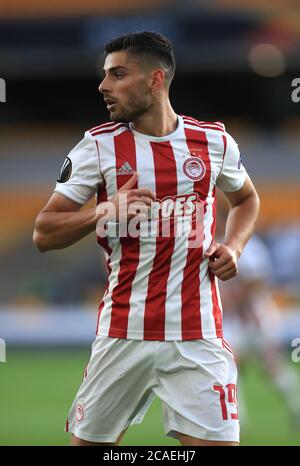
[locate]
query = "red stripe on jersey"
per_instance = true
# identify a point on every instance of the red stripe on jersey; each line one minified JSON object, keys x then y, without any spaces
{"x":102,"y":197}
{"x":103,"y":125}
{"x":103,"y":242}
{"x":185,"y":117}
{"x":190,"y":294}
{"x":198,"y":147}
{"x":124,"y":146}
{"x":216,"y":128}
{"x":204,"y":126}
{"x":109,"y":130}
{"x":217,"y":312}
{"x":202,"y":123}
{"x":155,"y":304}
{"x":106,"y":125}
{"x":67,"y":425}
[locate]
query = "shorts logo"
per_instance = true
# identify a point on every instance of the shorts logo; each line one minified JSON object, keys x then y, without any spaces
{"x":79,"y":412}
{"x":194,"y":168}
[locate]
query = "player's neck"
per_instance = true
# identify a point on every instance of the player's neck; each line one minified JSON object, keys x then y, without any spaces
{"x":158,"y":122}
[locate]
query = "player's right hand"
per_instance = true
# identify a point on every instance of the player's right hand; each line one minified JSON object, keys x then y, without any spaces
{"x":130,"y":201}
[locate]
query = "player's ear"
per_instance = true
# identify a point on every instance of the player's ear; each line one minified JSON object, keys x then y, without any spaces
{"x":157,"y":80}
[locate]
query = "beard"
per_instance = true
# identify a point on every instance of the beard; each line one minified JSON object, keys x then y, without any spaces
{"x":132,"y":111}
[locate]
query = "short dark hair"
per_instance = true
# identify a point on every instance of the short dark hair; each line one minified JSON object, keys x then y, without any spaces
{"x":147,"y":44}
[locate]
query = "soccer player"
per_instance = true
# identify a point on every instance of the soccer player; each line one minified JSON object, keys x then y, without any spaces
{"x":159,"y":329}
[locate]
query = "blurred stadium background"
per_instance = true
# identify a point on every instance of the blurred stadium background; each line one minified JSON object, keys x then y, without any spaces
{"x":236,"y":61}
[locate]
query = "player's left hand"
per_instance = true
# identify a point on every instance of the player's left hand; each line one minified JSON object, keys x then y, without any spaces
{"x":222,"y":261}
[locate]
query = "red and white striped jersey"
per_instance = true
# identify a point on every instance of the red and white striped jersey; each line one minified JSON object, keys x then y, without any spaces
{"x":158,"y":288}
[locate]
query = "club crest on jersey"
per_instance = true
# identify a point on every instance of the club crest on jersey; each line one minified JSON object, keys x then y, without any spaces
{"x":194,"y":168}
{"x":79,"y":412}
{"x":65,"y":171}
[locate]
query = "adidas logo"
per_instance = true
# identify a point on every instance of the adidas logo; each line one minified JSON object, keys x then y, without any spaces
{"x":125,"y":169}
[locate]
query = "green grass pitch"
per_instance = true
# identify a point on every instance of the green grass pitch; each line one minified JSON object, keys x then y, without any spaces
{"x":37,"y":388}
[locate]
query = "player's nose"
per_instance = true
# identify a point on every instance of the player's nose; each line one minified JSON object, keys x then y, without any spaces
{"x":100,"y":87}
{"x":103,"y":87}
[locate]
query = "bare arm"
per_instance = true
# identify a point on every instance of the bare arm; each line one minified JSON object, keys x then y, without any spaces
{"x":61,"y":223}
{"x":243,"y":213}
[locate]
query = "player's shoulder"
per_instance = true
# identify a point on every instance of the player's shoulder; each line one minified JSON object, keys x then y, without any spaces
{"x":193,"y":123}
{"x":109,"y":129}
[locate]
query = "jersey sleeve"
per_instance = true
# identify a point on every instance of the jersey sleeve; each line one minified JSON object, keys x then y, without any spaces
{"x":233,"y":173}
{"x":80,"y":175}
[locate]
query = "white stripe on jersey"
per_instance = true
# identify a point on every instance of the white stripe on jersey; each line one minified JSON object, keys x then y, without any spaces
{"x":218,"y":296}
{"x":208,"y":323}
{"x":207,"y":318}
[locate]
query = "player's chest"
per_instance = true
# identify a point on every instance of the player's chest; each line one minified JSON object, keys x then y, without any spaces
{"x":167,"y":169}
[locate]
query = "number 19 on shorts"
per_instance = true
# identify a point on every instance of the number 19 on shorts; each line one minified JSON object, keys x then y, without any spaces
{"x":228,"y":399}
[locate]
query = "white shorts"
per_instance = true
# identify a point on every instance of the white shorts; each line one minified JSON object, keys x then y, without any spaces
{"x":195,"y":380}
